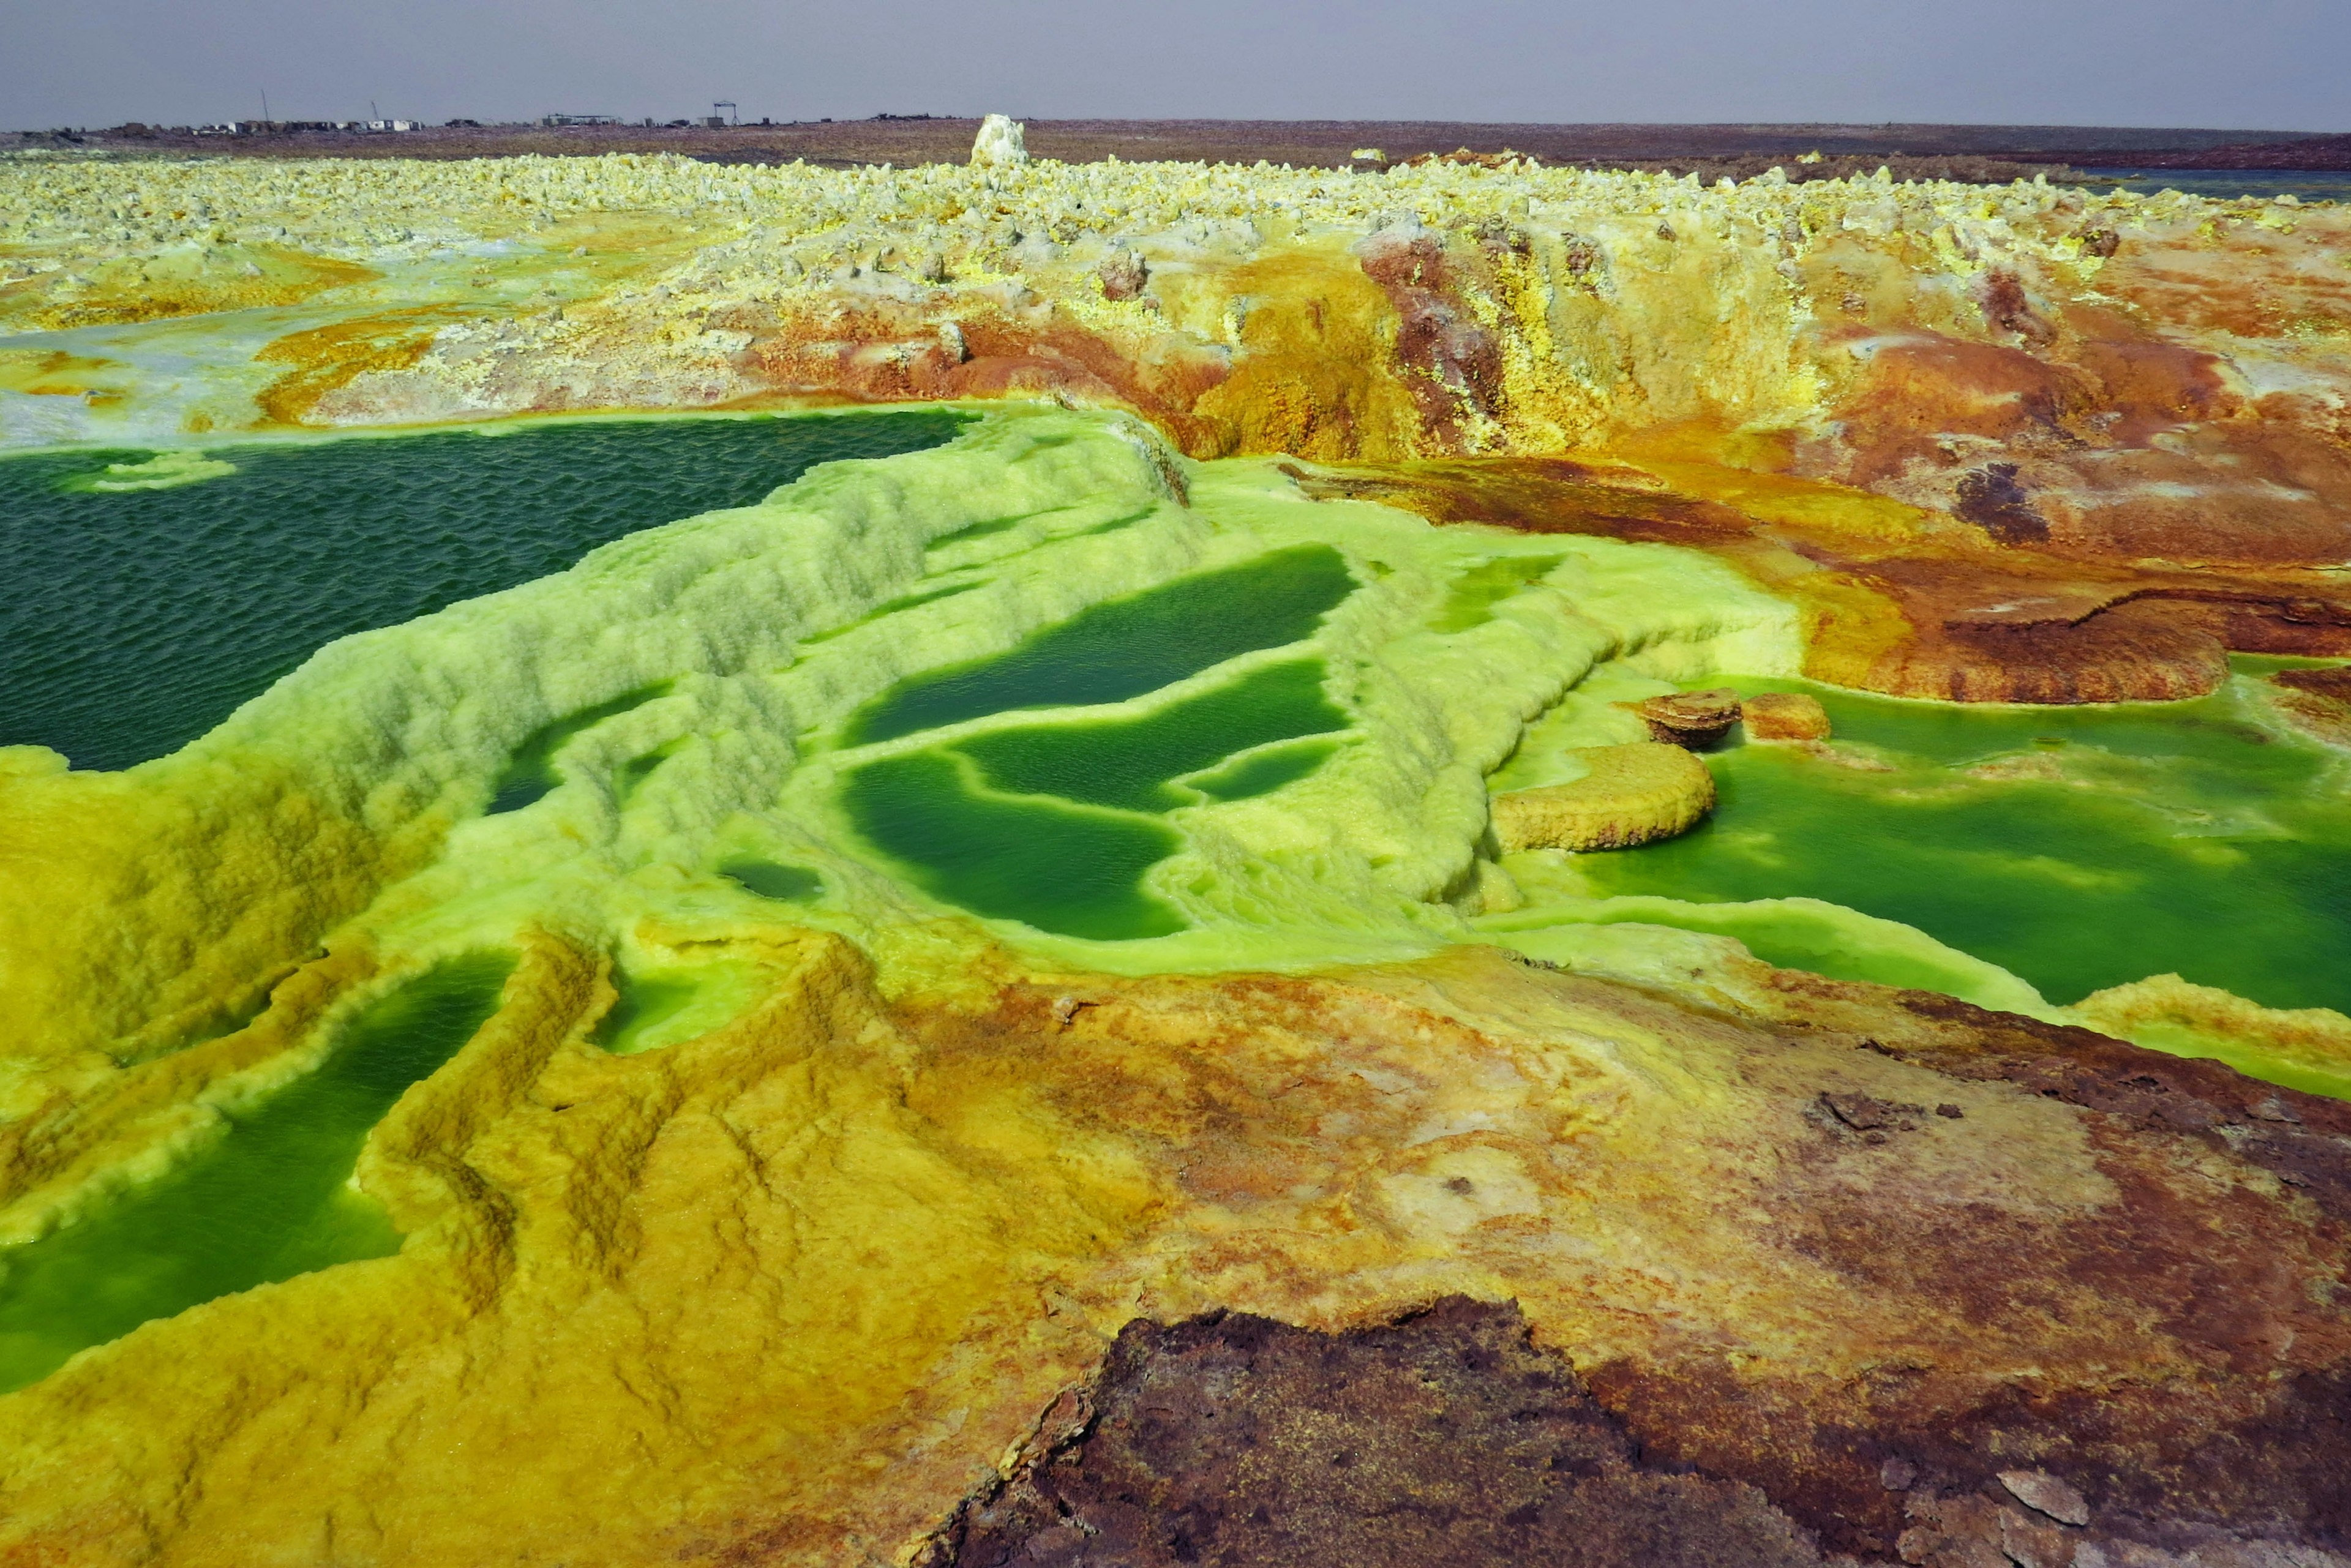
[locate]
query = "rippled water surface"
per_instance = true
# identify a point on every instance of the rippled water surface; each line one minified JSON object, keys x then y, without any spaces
{"x":133,"y":621}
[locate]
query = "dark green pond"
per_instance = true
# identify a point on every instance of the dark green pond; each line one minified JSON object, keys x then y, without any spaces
{"x":1054,"y":825}
{"x":2159,"y":837}
{"x":133,"y":621}
{"x":268,"y":1199}
{"x":1124,"y":647}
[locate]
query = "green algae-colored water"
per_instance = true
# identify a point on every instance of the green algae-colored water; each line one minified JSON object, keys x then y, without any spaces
{"x":2077,"y":848}
{"x":1050,"y":823}
{"x":1133,"y":762}
{"x":1124,"y":647}
{"x":770,"y":879}
{"x":530,"y":772}
{"x":1071,"y":868}
{"x":133,"y":621}
{"x":269,"y":1198}
{"x":645,"y":1003}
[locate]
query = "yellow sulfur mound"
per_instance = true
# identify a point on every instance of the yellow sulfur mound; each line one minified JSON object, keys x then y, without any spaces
{"x":1633,"y":795}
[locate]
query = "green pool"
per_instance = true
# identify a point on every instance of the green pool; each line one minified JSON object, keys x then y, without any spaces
{"x":134,"y":620}
{"x":268,"y":1198}
{"x":2077,"y":848}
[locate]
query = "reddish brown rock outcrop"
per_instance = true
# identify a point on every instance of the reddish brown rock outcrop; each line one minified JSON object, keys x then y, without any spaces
{"x":1895,"y":599}
{"x":1784,"y":716}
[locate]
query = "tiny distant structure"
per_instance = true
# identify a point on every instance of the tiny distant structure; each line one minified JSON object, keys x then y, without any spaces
{"x":715,"y":121}
{"x":559,"y":120}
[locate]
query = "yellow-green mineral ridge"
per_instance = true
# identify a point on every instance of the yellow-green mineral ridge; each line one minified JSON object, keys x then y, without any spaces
{"x":329,"y":794}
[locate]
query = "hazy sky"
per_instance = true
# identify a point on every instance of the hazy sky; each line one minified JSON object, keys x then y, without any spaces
{"x":2277,"y":64}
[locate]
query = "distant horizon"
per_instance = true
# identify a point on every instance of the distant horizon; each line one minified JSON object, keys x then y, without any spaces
{"x":2236,"y":134}
{"x":2257,"y":65}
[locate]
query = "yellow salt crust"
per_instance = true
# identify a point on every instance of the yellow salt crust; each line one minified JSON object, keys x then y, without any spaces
{"x":2309,"y":1048}
{"x":1616,"y":301}
{"x":1630,"y":795}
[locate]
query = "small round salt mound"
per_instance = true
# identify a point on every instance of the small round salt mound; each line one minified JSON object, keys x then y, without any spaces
{"x":1630,"y":795}
{"x":1785,"y":716}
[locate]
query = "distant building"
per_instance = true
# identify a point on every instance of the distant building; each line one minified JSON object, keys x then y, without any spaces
{"x":580,"y":120}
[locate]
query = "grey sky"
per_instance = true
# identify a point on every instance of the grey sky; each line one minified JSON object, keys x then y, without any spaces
{"x":2280,"y":64}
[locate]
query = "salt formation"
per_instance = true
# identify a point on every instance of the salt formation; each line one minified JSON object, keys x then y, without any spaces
{"x":1002,"y":144}
{"x":808,"y":1161}
{"x":1631,"y":795}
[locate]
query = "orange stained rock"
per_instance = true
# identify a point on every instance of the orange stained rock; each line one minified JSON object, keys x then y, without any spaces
{"x":188,"y":280}
{"x":323,"y":358}
{"x":1784,"y":716}
{"x":1893,"y":599}
{"x":53,"y":373}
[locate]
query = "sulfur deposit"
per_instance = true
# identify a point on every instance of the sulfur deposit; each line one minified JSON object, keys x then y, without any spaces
{"x":1631,"y":795}
{"x":1040,"y":993}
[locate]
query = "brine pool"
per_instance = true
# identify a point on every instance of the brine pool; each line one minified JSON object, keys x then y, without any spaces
{"x":2077,"y":848}
{"x":146,"y":595}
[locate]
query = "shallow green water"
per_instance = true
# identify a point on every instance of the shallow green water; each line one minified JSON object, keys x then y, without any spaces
{"x":1132,"y":762}
{"x":133,"y":621}
{"x":1264,"y":771}
{"x":1069,"y":869}
{"x":1478,"y":591}
{"x":644,"y":1005}
{"x":784,"y":883}
{"x":1124,"y":647}
{"x":1050,"y":823}
{"x":269,"y":1198}
{"x":2170,"y":838}
{"x":529,"y":773}
{"x":1001,"y":823}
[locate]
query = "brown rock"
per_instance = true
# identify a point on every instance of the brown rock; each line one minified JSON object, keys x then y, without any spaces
{"x":2040,"y":1490}
{"x":1444,"y":1438}
{"x":2032,"y":1542}
{"x":1123,"y":273}
{"x":1691,"y":719}
{"x":1961,"y":1532}
{"x":1866,"y":1113}
{"x":1784,"y":716}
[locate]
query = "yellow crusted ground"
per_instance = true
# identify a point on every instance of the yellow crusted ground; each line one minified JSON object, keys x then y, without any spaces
{"x":1631,"y":795}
